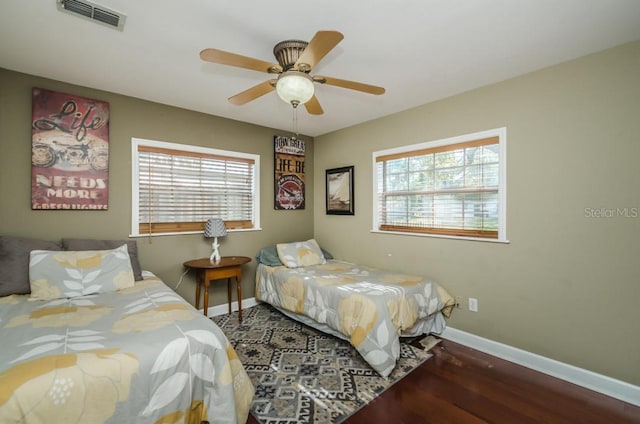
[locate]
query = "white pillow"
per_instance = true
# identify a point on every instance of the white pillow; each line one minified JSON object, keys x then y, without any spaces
{"x":64,"y":274}
{"x":301,"y":253}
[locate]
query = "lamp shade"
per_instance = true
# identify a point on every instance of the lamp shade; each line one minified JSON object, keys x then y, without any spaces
{"x":215,"y":228}
{"x":295,"y":87}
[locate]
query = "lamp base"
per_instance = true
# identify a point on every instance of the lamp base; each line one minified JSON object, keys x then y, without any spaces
{"x":215,"y":255}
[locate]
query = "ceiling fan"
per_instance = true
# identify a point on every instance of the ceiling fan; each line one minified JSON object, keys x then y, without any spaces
{"x":295,"y":59}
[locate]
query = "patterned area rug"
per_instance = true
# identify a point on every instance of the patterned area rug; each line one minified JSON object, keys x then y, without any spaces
{"x":302,"y":375}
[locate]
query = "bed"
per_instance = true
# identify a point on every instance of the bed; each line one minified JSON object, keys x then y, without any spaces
{"x":371,"y":308}
{"x":79,"y":350}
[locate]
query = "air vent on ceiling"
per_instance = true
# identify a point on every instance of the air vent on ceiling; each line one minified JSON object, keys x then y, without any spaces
{"x":93,"y":12}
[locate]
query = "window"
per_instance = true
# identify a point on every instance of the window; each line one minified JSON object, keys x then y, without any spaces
{"x":176,"y":188}
{"x":450,"y":188}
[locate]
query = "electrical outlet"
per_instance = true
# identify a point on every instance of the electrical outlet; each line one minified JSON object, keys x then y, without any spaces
{"x":473,"y":304}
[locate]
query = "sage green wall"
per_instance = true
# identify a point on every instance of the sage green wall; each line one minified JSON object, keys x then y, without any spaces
{"x":567,"y":286}
{"x":131,"y":117}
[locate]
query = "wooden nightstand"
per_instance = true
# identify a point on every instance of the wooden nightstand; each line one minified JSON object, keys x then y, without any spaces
{"x":228,"y":267}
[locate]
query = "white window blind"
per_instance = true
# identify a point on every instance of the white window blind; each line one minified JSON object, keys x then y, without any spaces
{"x":443,"y":188}
{"x":180,"y":187}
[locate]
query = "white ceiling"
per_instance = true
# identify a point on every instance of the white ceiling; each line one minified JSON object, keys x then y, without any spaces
{"x":419,"y":50}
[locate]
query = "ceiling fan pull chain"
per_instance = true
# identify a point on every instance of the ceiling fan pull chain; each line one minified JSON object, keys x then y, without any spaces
{"x":295,"y":121}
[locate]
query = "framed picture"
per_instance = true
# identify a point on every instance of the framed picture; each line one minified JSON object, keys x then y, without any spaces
{"x":340,"y":191}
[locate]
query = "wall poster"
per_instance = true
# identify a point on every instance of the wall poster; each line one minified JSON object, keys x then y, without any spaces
{"x":289,"y":172}
{"x":69,"y":152}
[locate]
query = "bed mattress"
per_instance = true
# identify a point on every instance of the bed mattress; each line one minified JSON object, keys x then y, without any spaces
{"x":139,"y":355}
{"x":371,"y":308}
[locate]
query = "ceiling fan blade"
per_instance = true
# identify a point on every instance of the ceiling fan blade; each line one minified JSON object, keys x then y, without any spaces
{"x":313,"y":106}
{"x":253,"y":93}
{"x":358,"y":86}
{"x":321,"y":44}
{"x":232,"y":59}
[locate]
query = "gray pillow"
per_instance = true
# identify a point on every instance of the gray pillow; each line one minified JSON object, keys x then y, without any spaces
{"x":14,"y":262}
{"x":326,"y":254}
{"x":93,"y":244}
{"x":268,"y":256}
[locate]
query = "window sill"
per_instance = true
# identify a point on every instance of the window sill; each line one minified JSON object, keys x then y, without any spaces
{"x":503,"y":241}
{"x":236,"y":230}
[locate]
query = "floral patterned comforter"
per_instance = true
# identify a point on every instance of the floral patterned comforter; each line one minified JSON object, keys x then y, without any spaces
{"x":140,"y":355}
{"x":369,"y":307}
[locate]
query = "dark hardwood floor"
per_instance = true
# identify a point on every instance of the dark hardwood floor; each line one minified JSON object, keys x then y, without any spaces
{"x":462,"y":385}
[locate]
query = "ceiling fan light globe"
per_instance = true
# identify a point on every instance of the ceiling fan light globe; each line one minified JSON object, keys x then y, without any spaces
{"x":295,"y":87}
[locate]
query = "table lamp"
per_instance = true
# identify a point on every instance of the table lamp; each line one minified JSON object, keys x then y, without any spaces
{"x":215,"y":228}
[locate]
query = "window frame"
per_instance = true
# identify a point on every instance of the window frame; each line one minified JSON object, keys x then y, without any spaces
{"x":195,"y":227}
{"x":500,"y":133}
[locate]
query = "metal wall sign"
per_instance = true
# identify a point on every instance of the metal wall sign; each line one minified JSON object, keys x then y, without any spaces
{"x":289,"y":172}
{"x":69,"y":152}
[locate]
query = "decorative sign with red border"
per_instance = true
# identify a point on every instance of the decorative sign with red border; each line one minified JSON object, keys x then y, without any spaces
{"x":289,"y":172}
{"x":69,"y":152}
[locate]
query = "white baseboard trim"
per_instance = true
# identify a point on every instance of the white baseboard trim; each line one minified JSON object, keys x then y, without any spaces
{"x":600,"y":383}
{"x":213,"y":311}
